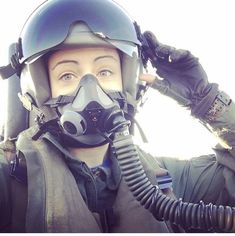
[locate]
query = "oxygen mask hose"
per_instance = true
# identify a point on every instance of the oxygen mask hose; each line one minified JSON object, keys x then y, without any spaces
{"x":208,"y":217}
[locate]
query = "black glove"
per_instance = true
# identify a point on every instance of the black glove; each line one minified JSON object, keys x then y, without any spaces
{"x":184,"y":79}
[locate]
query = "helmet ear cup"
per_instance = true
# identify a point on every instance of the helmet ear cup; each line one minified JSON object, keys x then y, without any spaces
{"x":73,"y":123}
{"x":35,"y":81}
{"x":131,"y":67}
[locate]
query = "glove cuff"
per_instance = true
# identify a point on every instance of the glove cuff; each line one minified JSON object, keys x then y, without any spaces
{"x":218,"y":107}
{"x":200,"y":109}
{"x":210,"y":111}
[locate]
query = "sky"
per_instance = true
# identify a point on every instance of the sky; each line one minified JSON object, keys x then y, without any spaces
{"x":204,"y":27}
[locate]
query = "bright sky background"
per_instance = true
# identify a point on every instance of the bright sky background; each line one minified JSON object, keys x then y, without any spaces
{"x":206,"y":28}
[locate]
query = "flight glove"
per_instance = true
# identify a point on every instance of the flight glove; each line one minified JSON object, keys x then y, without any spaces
{"x":183,"y":77}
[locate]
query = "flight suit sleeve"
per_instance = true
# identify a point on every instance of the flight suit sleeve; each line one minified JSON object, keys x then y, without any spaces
{"x":199,"y":178}
{"x":220,"y":120}
{"x":209,"y":178}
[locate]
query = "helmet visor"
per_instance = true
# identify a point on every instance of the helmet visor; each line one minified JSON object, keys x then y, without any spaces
{"x":49,"y":25}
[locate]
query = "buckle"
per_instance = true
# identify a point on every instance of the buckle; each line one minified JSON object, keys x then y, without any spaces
{"x":164,"y":181}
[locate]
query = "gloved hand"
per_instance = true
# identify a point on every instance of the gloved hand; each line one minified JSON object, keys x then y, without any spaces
{"x":184,"y":79}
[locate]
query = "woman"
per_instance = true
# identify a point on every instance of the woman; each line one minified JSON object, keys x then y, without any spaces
{"x":76,"y":168}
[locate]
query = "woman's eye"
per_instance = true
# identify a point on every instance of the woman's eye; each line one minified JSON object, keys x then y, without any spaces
{"x":104,"y":73}
{"x":67,"y":77}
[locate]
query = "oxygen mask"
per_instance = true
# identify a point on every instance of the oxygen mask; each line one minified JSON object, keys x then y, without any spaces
{"x":90,"y":116}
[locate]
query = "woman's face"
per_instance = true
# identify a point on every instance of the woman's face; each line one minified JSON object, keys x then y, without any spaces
{"x":67,"y":67}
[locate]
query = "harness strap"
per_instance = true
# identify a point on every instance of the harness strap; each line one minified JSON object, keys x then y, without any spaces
{"x":18,"y":197}
{"x":19,"y":200}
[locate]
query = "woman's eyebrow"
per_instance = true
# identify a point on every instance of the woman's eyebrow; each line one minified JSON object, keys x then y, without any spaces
{"x":64,"y":62}
{"x":104,"y":57}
